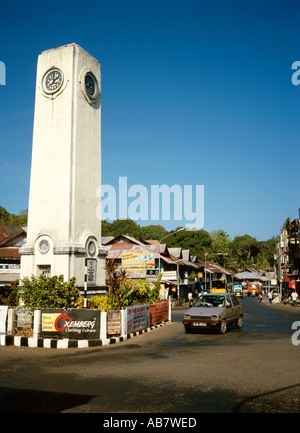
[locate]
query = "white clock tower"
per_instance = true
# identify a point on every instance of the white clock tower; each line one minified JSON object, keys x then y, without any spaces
{"x":64,"y":233}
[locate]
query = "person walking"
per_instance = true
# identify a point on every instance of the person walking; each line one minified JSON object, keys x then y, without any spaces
{"x":270,"y":296}
{"x":294,"y":297}
{"x":259,"y":295}
{"x":190,"y":298}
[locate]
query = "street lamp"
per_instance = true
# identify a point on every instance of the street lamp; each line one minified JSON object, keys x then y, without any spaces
{"x":164,"y":237}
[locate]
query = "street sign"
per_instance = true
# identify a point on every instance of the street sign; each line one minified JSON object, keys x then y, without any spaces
{"x":152,"y":272}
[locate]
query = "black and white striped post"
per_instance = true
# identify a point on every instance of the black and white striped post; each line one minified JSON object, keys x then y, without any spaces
{"x":85,"y":284}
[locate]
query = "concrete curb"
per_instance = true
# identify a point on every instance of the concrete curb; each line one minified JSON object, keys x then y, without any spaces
{"x":53,"y":343}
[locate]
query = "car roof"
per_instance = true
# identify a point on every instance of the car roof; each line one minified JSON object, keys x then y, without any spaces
{"x":217,"y":294}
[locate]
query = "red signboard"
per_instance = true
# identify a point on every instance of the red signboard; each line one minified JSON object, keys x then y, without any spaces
{"x":159,"y":312}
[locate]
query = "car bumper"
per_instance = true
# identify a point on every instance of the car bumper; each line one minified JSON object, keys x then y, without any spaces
{"x":193,"y":324}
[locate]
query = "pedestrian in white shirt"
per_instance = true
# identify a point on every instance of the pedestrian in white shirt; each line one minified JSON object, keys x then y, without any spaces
{"x":270,"y":296}
{"x":294,"y":297}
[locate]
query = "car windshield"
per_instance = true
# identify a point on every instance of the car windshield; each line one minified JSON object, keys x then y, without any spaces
{"x":210,"y":301}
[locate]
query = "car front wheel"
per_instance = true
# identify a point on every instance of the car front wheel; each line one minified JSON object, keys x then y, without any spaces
{"x":223,"y":327}
{"x":187,"y":329}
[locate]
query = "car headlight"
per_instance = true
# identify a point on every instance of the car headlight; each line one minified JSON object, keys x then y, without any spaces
{"x":187,"y":316}
{"x":214,"y":317}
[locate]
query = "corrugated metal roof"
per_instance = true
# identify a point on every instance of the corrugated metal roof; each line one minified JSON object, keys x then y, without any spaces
{"x":186,"y":254}
{"x":176,"y":252}
{"x":248,"y":276}
{"x":214,"y":268}
{"x":9,"y":253}
{"x":7,"y":233}
{"x":115,"y":250}
{"x":106,"y":239}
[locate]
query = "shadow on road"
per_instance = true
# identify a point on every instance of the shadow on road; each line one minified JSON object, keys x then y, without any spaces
{"x":272,"y":401}
{"x":14,"y":400}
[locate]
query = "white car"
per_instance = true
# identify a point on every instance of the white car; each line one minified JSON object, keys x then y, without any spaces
{"x":214,"y":310}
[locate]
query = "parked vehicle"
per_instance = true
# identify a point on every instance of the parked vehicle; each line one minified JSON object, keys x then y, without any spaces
{"x":218,"y":286}
{"x":238,"y":290}
{"x":214,"y":310}
{"x":252,"y":287}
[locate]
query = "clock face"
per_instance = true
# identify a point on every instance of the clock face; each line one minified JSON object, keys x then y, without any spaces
{"x":44,"y":246}
{"x":90,"y":84}
{"x":52,"y":80}
{"x":91,"y":248}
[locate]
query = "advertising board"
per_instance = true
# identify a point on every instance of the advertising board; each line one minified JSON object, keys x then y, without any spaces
{"x":169,"y":275}
{"x":137,"y":261}
{"x":114,"y":322}
{"x":218,"y":290}
{"x":74,"y":324}
{"x":159,"y":312}
{"x":138,"y":318}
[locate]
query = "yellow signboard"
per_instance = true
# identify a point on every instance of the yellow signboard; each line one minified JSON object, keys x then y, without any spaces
{"x":215,"y":290}
{"x":137,"y":261}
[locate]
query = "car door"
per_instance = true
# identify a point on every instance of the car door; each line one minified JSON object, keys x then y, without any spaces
{"x":236,"y":308}
{"x":230,"y":317}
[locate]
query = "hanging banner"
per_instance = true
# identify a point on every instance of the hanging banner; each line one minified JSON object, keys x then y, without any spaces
{"x":3,"y":315}
{"x":73,"y":324}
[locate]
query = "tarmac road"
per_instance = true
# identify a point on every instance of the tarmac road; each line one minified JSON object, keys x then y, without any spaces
{"x":255,"y":369}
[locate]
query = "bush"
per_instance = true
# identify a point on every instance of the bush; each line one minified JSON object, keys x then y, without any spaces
{"x":50,"y":292}
{"x":137,"y":292}
{"x":124,"y":291}
{"x":9,"y":294}
{"x":100,"y":302}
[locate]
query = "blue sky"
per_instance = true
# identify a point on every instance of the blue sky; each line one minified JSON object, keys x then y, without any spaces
{"x":193,"y":93}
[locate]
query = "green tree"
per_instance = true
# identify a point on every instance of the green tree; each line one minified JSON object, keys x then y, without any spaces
{"x":245,"y":247}
{"x":269,"y":249}
{"x":220,"y":246}
{"x":7,"y":218}
{"x":122,"y":227}
{"x":197,"y":241}
{"x":154,"y":232}
{"x":4,"y":216}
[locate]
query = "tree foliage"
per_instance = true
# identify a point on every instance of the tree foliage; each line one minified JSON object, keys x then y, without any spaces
{"x":235,"y":254}
{"x":10,"y":219}
{"x":123,"y":291}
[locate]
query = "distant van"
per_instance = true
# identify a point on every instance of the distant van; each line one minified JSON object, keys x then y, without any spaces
{"x":238,"y":290}
{"x":251,"y":288}
{"x":218,"y":286}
